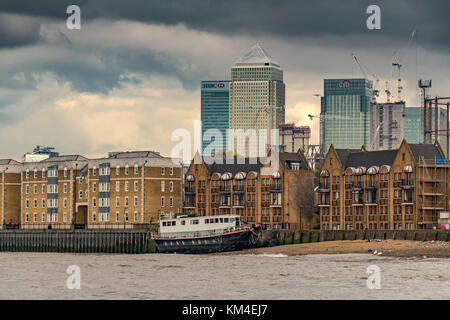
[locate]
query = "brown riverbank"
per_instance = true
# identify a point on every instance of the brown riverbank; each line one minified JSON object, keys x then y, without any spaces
{"x":397,"y":248}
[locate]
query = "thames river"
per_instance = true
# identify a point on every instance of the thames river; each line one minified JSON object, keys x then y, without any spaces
{"x":157,"y":276}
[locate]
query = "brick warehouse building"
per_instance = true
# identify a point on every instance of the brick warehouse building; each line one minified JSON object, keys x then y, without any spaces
{"x":123,"y":190}
{"x":392,"y":189}
{"x":280,"y":198}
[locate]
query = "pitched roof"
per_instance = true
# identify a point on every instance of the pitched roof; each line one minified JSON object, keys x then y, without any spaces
{"x":370,"y":158}
{"x":286,"y":158}
{"x":134,"y":154}
{"x":256,"y":55}
{"x":8,"y":161}
{"x":428,"y":151}
{"x":344,"y":153}
{"x":250,"y":164}
{"x":74,"y":157}
{"x":253,"y":164}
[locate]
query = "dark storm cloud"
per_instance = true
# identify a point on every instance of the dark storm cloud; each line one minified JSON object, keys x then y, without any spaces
{"x":16,"y":31}
{"x":344,"y":21}
{"x":288,"y":18}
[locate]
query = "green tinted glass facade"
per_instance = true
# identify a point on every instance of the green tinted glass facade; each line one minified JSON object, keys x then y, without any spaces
{"x":345,"y":113}
{"x":414,"y":125}
{"x":214,"y":113}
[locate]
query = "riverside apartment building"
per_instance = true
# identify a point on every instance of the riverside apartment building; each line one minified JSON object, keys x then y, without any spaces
{"x":124,"y":190}
{"x":398,"y":189}
{"x":278,"y":197}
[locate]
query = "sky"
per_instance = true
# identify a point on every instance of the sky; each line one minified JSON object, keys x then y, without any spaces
{"x":131,"y":75}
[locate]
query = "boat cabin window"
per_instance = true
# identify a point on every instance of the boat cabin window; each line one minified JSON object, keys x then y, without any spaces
{"x":194,"y":221}
{"x":183,"y":222}
{"x":231,"y":219}
{"x":169,"y":223}
{"x":225,"y":220}
{"x":206,"y":221}
{"x":221,"y":220}
{"x":216,"y":220}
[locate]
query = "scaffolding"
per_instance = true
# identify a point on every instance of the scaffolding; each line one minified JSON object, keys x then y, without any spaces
{"x":432,"y":194}
{"x":431,"y":134}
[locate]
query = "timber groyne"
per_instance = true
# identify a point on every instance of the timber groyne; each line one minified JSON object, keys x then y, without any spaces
{"x":78,"y":241}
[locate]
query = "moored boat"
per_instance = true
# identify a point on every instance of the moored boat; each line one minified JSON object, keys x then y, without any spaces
{"x":180,"y":233}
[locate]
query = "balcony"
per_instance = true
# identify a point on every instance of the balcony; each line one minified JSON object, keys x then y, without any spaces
{"x":407,"y":184}
{"x":371,"y":186}
{"x":238,"y":189}
{"x":239,"y":203}
{"x":189,"y":190}
{"x":275,"y":188}
{"x":224,"y":189}
{"x":189,"y":205}
{"x":324,"y":187}
{"x":357,"y":185}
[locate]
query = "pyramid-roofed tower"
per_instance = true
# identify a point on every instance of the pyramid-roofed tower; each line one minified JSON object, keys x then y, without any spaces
{"x":256,"y":56}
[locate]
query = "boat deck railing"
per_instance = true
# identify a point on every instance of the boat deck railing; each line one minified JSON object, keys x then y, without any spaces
{"x":197,"y":234}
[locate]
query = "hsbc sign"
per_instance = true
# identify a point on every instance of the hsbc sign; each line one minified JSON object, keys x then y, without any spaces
{"x":214,"y":85}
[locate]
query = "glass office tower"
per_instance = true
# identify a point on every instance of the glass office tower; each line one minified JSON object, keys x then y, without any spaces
{"x":214,"y":115}
{"x":257,"y":101}
{"x":345,"y":113}
{"x":414,"y":125}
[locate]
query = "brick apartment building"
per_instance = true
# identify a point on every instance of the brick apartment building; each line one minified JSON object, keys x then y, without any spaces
{"x":258,"y":190}
{"x":122,"y":190}
{"x":398,"y":189}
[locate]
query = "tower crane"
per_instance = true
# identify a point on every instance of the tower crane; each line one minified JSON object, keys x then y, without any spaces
{"x":399,"y":79}
{"x":376,"y":92}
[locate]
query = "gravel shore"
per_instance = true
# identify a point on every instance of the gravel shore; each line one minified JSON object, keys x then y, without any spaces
{"x":396,"y":248}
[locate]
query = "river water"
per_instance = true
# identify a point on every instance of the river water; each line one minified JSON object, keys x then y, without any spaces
{"x":174,"y":276}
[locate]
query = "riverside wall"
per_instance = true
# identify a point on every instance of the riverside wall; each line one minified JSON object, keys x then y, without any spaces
{"x":139,"y":241}
{"x":279,"y":237}
{"x":79,"y":241}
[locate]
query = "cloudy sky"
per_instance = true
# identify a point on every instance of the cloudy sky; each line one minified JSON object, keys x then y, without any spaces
{"x":131,"y":75}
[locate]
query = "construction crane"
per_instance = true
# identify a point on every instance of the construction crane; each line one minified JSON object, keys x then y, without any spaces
{"x":396,"y":63}
{"x":399,"y":79}
{"x":362,"y":67}
{"x":387,"y":91}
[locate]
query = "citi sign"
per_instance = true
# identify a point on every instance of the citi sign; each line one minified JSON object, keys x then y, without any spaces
{"x":344,"y":84}
{"x":219,"y":85}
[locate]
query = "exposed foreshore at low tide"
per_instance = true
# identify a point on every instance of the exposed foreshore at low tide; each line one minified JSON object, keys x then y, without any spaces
{"x":397,"y":248}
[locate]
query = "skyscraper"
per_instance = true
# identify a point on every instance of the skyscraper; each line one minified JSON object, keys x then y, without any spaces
{"x":214,"y":115}
{"x":414,"y":125}
{"x":257,"y":101}
{"x":386,"y":125}
{"x":345,"y":113}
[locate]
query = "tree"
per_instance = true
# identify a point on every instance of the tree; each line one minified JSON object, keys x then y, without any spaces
{"x":301,"y":197}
